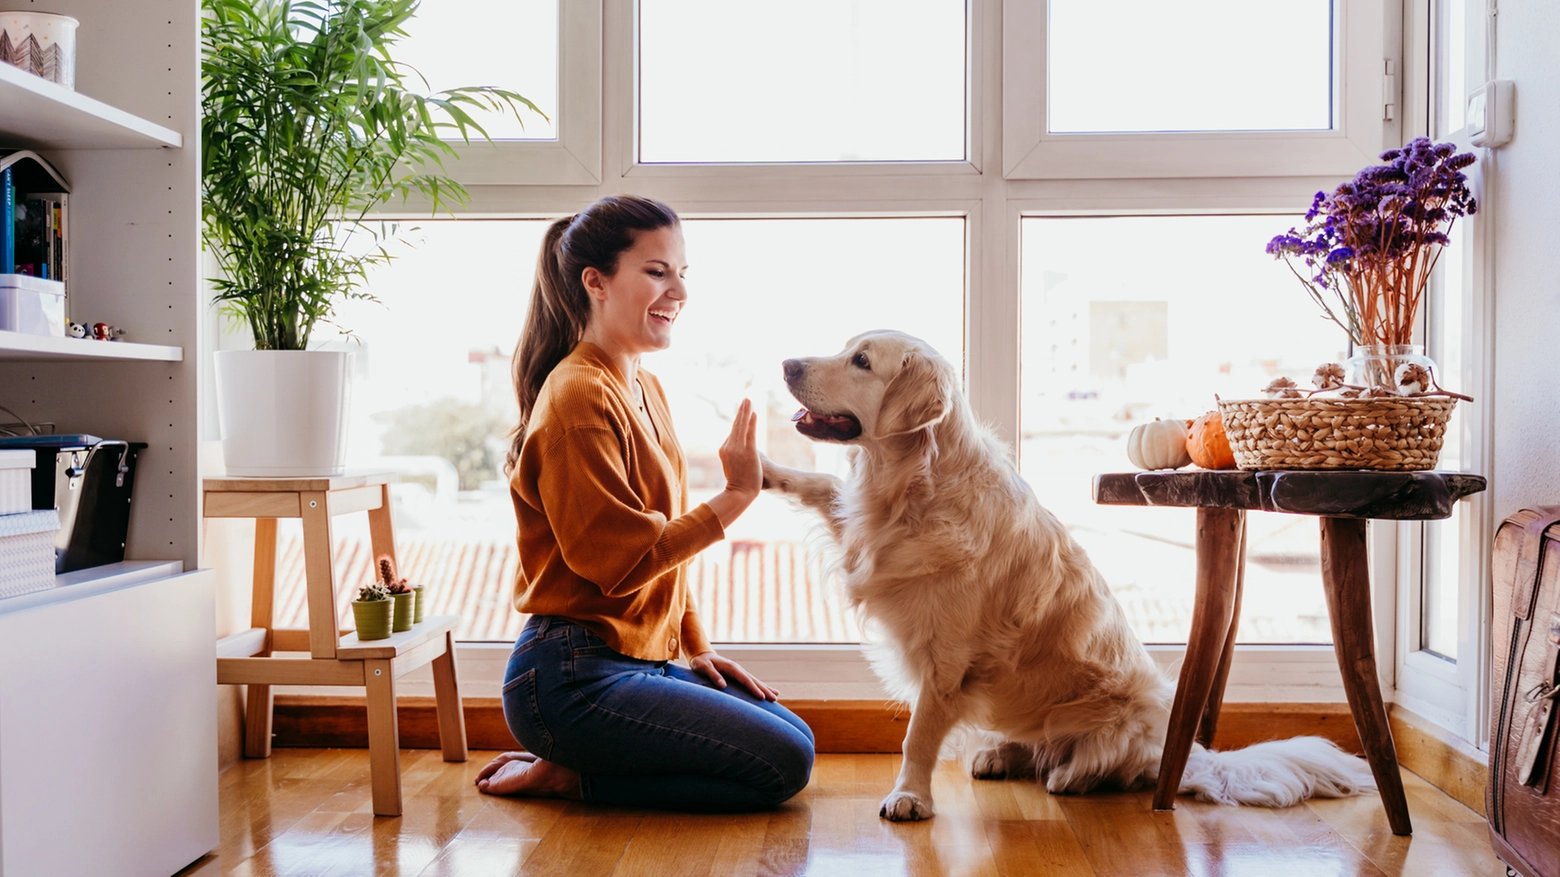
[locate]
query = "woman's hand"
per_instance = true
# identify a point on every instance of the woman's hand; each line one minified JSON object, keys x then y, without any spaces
{"x":715,"y":668}
{"x":744,"y":473}
{"x":739,"y":454}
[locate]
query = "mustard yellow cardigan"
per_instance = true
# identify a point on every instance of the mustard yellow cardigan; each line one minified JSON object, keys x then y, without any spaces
{"x":605,"y":533}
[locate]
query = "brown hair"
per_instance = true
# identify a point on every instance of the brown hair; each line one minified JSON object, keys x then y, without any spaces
{"x":560,"y":307}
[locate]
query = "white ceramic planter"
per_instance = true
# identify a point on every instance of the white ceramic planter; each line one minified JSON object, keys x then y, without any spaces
{"x":283,"y":412}
{"x":42,"y":43}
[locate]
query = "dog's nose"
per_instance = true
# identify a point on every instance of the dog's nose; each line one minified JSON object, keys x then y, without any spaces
{"x":793,"y":369}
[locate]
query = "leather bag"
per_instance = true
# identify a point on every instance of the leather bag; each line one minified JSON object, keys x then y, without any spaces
{"x":1522,"y":800}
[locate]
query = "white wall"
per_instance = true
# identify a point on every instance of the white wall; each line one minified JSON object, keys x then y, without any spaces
{"x":1525,"y":201}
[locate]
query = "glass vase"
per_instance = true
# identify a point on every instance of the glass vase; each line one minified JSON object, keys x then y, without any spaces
{"x":1374,"y":366}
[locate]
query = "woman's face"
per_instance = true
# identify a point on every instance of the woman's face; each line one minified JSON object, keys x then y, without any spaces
{"x":633,"y":309}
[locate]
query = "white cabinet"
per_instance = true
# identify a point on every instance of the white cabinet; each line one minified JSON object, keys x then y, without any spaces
{"x":108,"y":725}
{"x":108,"y":685}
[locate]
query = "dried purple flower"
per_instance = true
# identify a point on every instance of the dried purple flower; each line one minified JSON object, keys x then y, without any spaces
{"x":1369,"y":248}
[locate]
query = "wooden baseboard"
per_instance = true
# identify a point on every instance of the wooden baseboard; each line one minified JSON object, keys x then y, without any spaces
{"x":1446,"y":762}
{"x":838,"y":725}
{"x":879,"y":726}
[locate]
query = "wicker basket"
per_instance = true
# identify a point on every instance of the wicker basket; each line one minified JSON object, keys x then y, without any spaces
{"x":1393,"y":433}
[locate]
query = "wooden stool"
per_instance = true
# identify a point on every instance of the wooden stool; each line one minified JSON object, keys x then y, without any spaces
{"x":333,"y":659}
{"x":1344,"y":500}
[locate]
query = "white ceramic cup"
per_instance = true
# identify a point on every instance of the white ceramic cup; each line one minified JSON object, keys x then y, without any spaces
{"x":42,"y":43}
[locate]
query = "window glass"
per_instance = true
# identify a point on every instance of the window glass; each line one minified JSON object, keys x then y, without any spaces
{"x":1126,"y":319}
{"x":511,"y":44}
{"x":1452,"y":71}
{"x":433,"y":401}
{"x":761,"y":292}
{"x":801,"y":81}
{"x":1440,"y":598}
{"x":1189,"y":65}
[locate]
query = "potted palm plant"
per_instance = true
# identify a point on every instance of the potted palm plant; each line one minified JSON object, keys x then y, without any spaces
{"x":308,"y":125}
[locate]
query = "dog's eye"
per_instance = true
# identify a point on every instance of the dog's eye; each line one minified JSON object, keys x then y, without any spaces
{"x":860,"y":361}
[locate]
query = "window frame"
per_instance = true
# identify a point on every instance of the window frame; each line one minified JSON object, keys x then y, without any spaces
{"x":1453,"y":693}
{"x":992,"y":204}
{"x":1362,"y":89}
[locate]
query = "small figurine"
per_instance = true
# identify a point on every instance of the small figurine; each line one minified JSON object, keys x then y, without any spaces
{"x":74,"y":329}
{"x":105,"y":332}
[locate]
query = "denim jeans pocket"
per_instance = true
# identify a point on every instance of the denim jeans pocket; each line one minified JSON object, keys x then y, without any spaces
{"x":587,"y":644}
{"x":523,"y":713}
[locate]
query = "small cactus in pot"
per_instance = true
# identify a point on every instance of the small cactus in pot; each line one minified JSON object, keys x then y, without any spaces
{"x":401,"y":594}
{"x":371,"y":612}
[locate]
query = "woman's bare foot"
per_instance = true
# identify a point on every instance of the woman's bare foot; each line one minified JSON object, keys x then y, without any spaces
{"x":521,"y":773}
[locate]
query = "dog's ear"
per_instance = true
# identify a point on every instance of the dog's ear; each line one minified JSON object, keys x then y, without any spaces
{"x":918,"y":396}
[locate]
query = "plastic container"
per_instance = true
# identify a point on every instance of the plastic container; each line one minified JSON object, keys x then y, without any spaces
{"x":16,"y":481}
{"x":42,"y":43}
{"x":27,"y":552}
{"x":32,"y":305}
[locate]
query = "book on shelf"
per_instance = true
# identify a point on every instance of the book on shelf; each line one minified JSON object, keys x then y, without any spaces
{"x":7,"y":222}
{"x":35,"y":227}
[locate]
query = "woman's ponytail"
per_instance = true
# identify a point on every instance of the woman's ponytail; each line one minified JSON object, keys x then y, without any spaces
{"x":560,"y":307}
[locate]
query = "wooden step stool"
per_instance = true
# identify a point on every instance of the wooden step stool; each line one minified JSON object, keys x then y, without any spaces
{"x":334,"y":658}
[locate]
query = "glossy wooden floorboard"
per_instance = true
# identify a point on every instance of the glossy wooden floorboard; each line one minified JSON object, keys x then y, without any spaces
{"x":308,"y":813}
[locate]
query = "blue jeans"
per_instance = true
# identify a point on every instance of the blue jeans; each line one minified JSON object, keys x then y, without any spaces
{"x":649,"y":733}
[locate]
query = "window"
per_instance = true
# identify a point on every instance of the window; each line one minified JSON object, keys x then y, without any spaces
{"x":1200,"y":88}
{"x":817,"y":80}
{"x":1443,"y":619}
{"x":476,"y":42}
{"x":891,"y":179}
{"x":1156,"y":66}
{"x":1109,"y":343}
{"x":547,"y":50}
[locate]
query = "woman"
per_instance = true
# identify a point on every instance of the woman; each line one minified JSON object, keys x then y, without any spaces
{"x":600,"y":492}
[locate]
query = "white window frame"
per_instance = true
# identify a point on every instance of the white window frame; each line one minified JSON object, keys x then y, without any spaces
{"x":992,"y":206}
{"x":574,"y":156}
{"x":1361,"y":92}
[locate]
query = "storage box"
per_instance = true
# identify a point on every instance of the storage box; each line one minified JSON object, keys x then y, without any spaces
{"x":16,"y":481}
{"x":32,"y":305}
{"x":27,"y":552}
{"x":89,"y":481}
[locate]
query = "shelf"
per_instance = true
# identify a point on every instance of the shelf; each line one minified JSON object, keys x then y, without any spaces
{"x":94,"y":580}
{"x":21,"y":347}
{"x":38,"y":114}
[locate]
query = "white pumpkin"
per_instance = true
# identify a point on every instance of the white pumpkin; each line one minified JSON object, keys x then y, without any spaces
{"x":1158,"y":445}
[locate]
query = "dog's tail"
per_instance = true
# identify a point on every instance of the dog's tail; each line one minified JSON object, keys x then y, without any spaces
{"x":1278,"y":773}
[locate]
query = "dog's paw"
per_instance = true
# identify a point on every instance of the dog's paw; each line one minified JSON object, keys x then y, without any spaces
{"x":906,"y":807}
{"x":1005,"y":761}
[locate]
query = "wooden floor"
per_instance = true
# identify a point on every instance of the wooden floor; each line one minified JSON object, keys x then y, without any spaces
{"x":307,"y":812}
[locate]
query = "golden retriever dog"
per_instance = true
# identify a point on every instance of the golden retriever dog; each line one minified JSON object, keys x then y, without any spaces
{"x":983,"y":611}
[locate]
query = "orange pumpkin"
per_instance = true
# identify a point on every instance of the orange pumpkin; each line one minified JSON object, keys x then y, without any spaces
{"x":1207,"y":443}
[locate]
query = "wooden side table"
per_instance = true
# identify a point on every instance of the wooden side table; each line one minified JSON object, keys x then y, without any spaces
{"x":1344,"y":501}
{"x":334,"y":658}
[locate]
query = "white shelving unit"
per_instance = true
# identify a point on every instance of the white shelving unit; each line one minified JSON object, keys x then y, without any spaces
{"x":120,"y":659}
{"x":40,"y":115}
{"x":19,"y":347}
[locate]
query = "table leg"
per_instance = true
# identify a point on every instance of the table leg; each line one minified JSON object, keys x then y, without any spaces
{"x":384,"y":737}
{"x":1210,"y":718}
{"x":1346,"y":582}
{"x":319,"y":574}
{"x":1218,"y":552}
{"x":257,"y":699}
{"x":446,"y":691}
